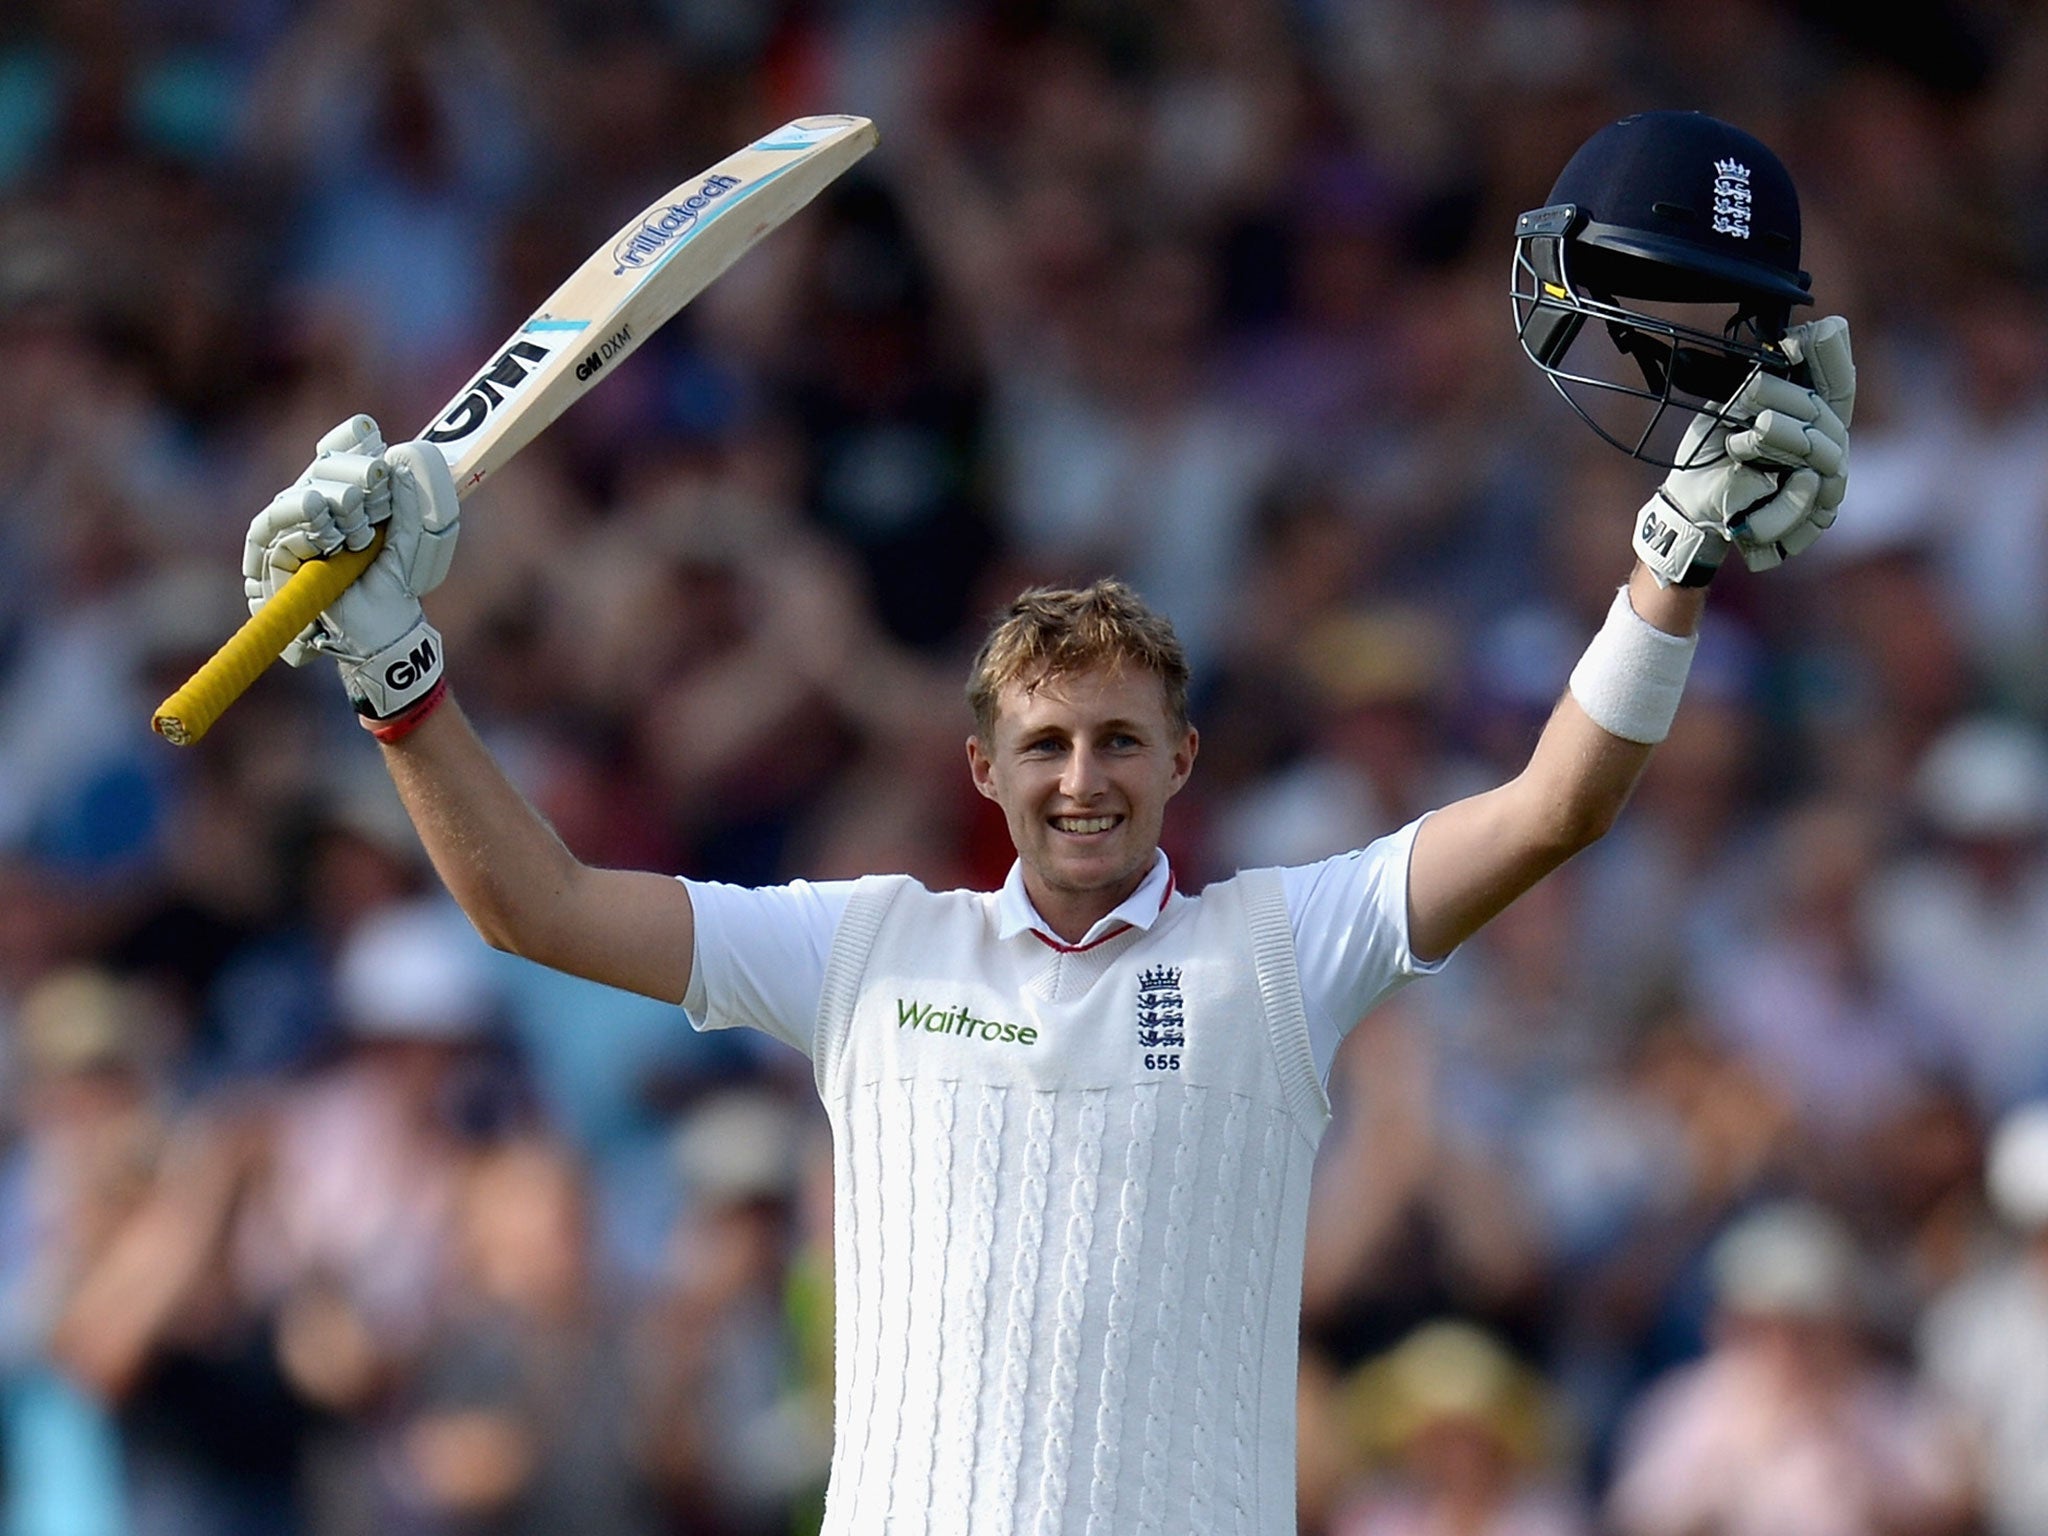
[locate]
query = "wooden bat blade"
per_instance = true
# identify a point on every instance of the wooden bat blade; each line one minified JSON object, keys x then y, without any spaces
{"x":633,"y":284}
{"x":627,"y":289}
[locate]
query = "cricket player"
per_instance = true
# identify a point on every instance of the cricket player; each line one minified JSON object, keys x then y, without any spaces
{"x":1074,"y":1119}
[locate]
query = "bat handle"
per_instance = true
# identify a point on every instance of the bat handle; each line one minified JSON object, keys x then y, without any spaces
{"x":189,"y":713}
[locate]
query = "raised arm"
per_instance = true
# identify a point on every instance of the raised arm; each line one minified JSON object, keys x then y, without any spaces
{"x":521,"y":887}
{"x":1771,"y":469}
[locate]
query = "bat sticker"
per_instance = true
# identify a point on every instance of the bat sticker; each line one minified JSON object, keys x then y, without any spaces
{"x":490,"y":389}
{"x":638,"y":248}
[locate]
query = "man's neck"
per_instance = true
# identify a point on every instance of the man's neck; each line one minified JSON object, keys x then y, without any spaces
{"x":1072,"y":914}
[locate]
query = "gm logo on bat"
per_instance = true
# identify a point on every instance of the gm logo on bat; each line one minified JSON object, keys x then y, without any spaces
{"x":638,"y":248}
{"x":607,"y":349}
{"x":508,"y":371}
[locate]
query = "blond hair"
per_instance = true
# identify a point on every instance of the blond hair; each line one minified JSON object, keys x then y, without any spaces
{"x":1050,"y":632}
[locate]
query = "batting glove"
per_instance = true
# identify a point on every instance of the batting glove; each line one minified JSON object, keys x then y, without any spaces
{"x":389,"y":655}
{"x":1769,"y":466}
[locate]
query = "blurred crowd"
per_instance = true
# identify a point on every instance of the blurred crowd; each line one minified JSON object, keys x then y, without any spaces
{"x":1706,"y":1192}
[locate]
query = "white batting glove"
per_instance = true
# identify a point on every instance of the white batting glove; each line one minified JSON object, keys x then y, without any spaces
{"x":1756,"y":469}
{"x":389,"y":655}
{"x":1823,"y":347}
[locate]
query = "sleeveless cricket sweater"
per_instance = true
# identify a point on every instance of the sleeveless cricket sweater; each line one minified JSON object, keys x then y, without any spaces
{"x":1070,"y":1200}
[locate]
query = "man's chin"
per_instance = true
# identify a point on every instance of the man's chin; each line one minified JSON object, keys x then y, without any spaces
{"x":1112,"y":870}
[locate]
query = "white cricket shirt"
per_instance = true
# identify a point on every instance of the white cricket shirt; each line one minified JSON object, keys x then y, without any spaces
{"x":1070,"y":1183}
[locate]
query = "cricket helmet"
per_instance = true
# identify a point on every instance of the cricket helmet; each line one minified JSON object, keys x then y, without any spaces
{"x":1656,"y":214}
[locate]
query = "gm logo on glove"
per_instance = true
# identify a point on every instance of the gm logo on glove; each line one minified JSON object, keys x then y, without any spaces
{"x":410,"y":668}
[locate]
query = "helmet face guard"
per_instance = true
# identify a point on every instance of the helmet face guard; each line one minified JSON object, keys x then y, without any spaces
{"x":1696,"y":214}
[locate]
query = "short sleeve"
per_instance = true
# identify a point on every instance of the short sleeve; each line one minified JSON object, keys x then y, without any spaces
{"x":1350,"y":920}
{"x":761,"y":955}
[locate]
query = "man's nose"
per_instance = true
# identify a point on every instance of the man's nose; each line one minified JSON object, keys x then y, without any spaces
{"x":1082,"y":778}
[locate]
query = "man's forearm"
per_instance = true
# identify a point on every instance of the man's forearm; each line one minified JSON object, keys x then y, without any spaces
{"x":490,"y":846}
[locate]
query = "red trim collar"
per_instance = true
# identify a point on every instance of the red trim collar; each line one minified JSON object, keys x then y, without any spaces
{"x":1122,"y":928}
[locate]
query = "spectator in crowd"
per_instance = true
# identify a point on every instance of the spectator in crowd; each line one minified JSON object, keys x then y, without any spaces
{"x":1459,"y":1438}
{"x":1984,"y":1341}
{"x":123,"y":1311}
{"x":1791,"y":1423}
{"x":737,"y":1439}
{"x":514,"y":1420}
{"x":1807,"y":998}
{"x":348,"y":1241}
{"x":1962,"y":925}
{"x":89,"y":1131}
{"x":1410,"y":1215}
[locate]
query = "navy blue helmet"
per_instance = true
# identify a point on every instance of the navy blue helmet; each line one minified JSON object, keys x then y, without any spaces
{"x":1662,"y":211}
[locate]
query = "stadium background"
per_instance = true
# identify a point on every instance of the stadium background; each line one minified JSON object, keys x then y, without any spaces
{"x":317,"y":1217}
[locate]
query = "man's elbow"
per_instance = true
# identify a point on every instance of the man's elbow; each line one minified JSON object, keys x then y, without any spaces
{"x":525,"y":939}
{"x":509,"y":927}
{"x":504,"y":940}
{"x":1584,"y":824}
{"x":1568,"y":824}
{"x":533,"y":917}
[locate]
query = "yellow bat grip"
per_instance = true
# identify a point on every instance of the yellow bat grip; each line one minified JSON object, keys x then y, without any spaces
{"x":225,"y":676}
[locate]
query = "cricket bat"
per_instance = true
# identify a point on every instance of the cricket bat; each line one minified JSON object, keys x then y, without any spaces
{"x":627,"y":289}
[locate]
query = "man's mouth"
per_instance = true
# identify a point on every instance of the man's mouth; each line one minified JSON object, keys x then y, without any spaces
{"x":1084,"y":826}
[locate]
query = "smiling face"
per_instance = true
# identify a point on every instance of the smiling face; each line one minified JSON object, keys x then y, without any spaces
{"x":1083,"y":765}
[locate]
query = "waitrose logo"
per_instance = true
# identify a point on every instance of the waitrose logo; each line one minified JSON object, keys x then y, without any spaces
{"x":934,"y":1020}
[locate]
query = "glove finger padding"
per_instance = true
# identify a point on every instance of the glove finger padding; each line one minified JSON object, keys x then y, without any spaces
{"x":1816,"y":440}
{"x":359,"y":434}
{"x":1799,"y":539}
{"x":359,"y":487}
{"x":1734,"y":461}
{"x":298,"y":525}
{"x":330,"y":507}
{"x":1791,"y":505}
{"x":1766,"y":471}
{"x":1762,"y":392}
{"x":1822,"y":346}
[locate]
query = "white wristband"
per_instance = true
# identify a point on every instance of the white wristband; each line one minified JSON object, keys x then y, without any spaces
{"x":1630,"y":679}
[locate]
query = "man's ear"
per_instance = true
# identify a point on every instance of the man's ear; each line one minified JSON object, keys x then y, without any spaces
{"x":981,"y":767}
{"x":1184,"y":759}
